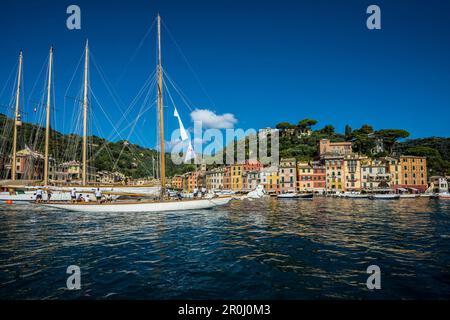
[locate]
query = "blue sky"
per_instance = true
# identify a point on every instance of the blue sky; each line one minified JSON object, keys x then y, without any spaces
{"x":262,"y":61}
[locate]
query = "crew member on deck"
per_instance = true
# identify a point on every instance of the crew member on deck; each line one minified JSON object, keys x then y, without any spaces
{"x":98,"y":195}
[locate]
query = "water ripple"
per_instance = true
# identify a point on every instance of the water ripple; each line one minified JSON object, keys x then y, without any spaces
{"x":247,"y":250}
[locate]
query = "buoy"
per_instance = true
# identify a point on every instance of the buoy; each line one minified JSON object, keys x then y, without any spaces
{"x":9,"y":202}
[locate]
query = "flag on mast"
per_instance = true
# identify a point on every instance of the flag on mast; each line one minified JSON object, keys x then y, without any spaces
{"x":183,"y":133}
{"x":190,"y":154}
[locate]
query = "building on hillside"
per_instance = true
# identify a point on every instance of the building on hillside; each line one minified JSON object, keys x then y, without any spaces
{"x":214,"y":179}
{"x":375,"y":174}
{"x":30,"y":165}
{"x":269,"y":178}
{"x":352,"y":172}
{"x":266,"y":131}
{"x":288,"y":132}
{"x":106,"y":177}
{"x":328,"y":148}
{"x":72,"y":172}
{"x":438,"y":184}
{"x":305,"y":174}
{"x":335,"y":173}
{"x":414,"y":173}
{"x":287,"y":172}
{"x":379,"y":143}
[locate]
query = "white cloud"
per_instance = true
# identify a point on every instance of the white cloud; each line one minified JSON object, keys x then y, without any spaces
{"x":211,"y":120}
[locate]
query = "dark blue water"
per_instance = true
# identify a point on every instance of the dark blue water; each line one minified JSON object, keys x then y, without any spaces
{"x":246,"y":250}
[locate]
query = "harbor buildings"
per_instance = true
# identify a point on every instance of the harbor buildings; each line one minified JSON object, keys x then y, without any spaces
{"x":288,"y":175}
{"x":214,"y":179}
{"x":270,"y":180}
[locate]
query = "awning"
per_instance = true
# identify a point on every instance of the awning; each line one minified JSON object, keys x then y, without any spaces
{"x":402,"y":189}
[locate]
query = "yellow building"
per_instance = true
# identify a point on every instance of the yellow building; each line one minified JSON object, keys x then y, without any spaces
{"x":269,"y":178}
{"x":237,"y":171}
{"x":352,"y":173}
{"x":395,"y":171}
{"x":335,"y":173}
{"x":305,"y":174}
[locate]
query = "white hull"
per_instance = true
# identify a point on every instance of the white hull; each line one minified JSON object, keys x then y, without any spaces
{"x":29,"y":196}
{"x":385,"y":197}
{"x":408,"y":196}
{"x":144,"y":191}
{"x":355,"y":195}
{"x":143,"y":206}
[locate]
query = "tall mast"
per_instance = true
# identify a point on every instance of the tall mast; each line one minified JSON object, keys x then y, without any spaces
{"x":161,"y":114}
{"x":16,"y":120}
{"x":85,"y":113}
{"x":47,"y":124}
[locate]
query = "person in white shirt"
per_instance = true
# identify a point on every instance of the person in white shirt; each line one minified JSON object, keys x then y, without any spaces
{"x":87,"y":199}
{"x":39,"y":194}
{"x":73,"y":195}
{"x":98,"y":194}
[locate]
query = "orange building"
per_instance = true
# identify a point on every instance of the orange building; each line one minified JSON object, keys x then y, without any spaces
{"x":413,"y":172}
{"x":327,"y":147}
{"x":177,"y":182}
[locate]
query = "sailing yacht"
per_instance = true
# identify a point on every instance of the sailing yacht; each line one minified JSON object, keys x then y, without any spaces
{"x":18,"y":193}
{"x":164,"y":204}
{"x":21,"y":193}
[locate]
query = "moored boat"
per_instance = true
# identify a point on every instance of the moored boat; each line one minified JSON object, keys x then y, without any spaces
{"x":295,"y":196}
{"x":387,"y":196}
{"x":143,"y":206}
{"x":444,"y":196}
{"x":408,"y":196}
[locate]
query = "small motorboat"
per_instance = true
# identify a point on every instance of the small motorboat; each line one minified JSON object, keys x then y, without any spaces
{"x":385,"y":196}
{"x":295,"y":196}
{"x":408,"y":196}
{"x":428,"y":195}
{"x":354,"y":195}
{"x":444,"y":196}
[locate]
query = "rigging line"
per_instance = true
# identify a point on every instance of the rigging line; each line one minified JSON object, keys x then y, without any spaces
{"x":9,"y":78}
{"x":37,"y":80}
{"x":135,"y":52}
{"x":131,"y":131}
{"x":182,"y":95}
{"x":151,"y":87}
{"x":108,"y":84}
{"x":141,"y":112}
{"x":132,"y":104}
{"x":108,"y":151}
{"x":114,"y":94}
{"x":131,"y":123}
{"x":70,"y":84}
{"x":187,"y":62}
